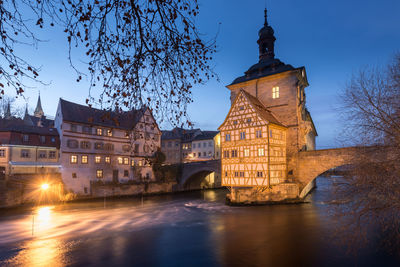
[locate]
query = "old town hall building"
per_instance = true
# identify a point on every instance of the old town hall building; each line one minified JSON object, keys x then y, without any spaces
{"x":268,"y":122}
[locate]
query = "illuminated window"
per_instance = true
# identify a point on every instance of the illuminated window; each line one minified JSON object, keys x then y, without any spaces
{"x":97,"y":159}
{"x":99,"y":131}
{"x":120,"y":160}
{"x":109,"y":132}
{"x":247,"y":152}
{"x":132,"y":163}
{"x":99,"y":173}
{"x":261,"y":151}
{"x":140,"y":163}
{"x":84,"y":159}
{"x":258,"y":134}
{"x":242,"y":135}
{"x":126,"y":161}
{"x":275,"y":92}
{"x":107,"y":159}
{"x":73,"y":159}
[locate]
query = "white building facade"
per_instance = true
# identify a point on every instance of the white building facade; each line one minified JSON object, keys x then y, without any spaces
{"x":105,"y":146}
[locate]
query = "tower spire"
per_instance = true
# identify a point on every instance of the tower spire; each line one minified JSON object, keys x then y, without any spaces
{"x":265,"y":18}
{"x":266,"y":41}
{"x":27,"y":118}
{"x":7,"y":114}
{"x":38,"y":110}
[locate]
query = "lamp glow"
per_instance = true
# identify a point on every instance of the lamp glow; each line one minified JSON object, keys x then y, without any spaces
{"x":45,"y":186}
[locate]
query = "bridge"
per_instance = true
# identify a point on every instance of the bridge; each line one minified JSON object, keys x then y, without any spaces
{"x":194,"y":172}
{"x":311,"y":164}
{"x":306,"y":166}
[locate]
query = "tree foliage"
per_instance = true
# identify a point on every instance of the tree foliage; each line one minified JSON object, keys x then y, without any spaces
{"x":370,"y":192}
{"x":139,"y":53}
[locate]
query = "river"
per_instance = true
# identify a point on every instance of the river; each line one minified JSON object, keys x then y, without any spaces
{"x":187,"y":229}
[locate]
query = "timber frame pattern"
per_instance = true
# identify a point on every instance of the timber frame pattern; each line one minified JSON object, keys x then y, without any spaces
{"x":253,"y":148}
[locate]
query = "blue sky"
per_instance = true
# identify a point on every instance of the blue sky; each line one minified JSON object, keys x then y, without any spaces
{"x":332,"y":39}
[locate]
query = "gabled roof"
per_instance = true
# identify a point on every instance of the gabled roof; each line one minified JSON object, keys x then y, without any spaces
{"x":259,"y":108}
{"x":73,"y":112}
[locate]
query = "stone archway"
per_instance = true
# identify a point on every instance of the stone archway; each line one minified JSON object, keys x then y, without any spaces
{"x":310,"y":164}
{"x":194,"y":172}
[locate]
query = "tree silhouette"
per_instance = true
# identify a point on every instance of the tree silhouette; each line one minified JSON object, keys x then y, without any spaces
{"x":139,"y":53}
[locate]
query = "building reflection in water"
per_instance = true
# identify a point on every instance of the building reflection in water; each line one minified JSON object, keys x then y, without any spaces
{"x":267,"y":236}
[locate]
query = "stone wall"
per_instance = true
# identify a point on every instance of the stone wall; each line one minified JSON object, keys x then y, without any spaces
{"x":12,"y":195}
{"x":284,"y":192}
{"x":98,"y":190}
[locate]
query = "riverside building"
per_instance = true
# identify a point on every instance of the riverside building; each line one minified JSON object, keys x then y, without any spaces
{"x":100,"y":145}
{"x":267,"y":124}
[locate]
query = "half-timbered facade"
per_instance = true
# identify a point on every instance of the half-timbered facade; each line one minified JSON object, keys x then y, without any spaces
{"x":253,"y":145}
{"x":266,"y":127}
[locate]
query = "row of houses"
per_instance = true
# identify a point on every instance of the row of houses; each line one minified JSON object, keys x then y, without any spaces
{"x":181,"y":145}
{"x":86,"y":145}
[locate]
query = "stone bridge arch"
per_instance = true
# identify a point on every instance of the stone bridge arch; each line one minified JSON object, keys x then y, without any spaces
{"x":310,"y":164}
{"x":190,"y":170}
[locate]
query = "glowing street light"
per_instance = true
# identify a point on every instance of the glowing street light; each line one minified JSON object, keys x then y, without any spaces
{"x":45,"y":186}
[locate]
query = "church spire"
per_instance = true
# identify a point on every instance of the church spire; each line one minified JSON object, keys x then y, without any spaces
{"x":27,"y":118}
{"x":38,"y":110}
{"x":7,"y":114}
{"x":266,"y":41}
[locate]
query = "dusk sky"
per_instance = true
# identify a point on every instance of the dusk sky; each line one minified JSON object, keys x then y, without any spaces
{"x":332,"y":39}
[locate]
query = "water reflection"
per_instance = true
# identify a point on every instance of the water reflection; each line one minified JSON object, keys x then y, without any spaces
{"x":274,"y":236}
{"x":39,"y":252}
{"x":193,"y":229}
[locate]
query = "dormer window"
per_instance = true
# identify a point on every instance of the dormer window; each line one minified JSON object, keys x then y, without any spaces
{"x":275,"y":92}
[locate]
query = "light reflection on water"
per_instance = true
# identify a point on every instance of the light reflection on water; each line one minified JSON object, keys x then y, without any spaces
{"x":193,"y":229}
